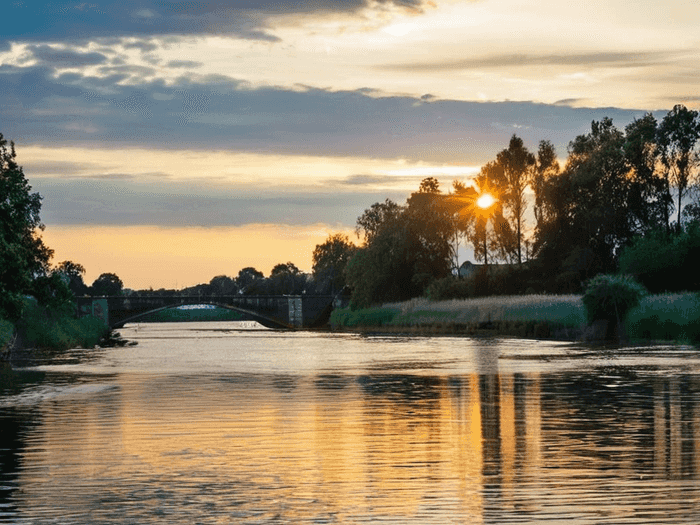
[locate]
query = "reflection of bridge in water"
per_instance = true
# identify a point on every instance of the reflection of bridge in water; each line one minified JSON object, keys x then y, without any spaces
{"x":272,"y":311}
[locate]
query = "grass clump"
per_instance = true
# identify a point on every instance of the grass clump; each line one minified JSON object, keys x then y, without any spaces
{"x":611,"y":297}
{"x":669,"y":316}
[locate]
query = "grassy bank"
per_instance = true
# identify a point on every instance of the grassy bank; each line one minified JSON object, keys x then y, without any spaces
{"x":540,"y":316}
{"x":40,"y":327}
{"x":664,"y":317}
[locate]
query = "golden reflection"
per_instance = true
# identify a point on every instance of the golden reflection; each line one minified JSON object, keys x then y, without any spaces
{"x":369,"y":446}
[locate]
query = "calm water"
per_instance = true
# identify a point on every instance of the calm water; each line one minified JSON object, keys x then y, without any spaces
{"x":208,"y":424}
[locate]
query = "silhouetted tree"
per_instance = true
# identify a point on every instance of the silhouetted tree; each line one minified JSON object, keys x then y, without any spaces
{"x":23,"y":255}
{"x":286,"y":278}
{"x":107,"y":284}
{"x":678,"y":134}
{"x":330,"y":260}
{"x":250,"y":281}
{"x":512,"y":173}
{"x":72,"y":273}
{"x":222,"y":285}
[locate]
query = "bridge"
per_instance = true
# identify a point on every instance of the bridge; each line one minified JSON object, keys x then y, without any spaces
{"x":272,"y":311}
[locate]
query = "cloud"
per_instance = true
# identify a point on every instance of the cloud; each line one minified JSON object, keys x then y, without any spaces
{"x":64,"y":58}
{"x":67,"y":20}
{"x":214,"y":113}
{"x":600,"y":59}
{"x":144,"y":200}
{"x":188,"y":64}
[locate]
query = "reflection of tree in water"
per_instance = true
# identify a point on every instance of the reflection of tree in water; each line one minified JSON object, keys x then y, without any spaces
{"x":15,"y":424}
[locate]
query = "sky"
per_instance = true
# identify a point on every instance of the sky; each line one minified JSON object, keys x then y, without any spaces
{"x":173,"y":141}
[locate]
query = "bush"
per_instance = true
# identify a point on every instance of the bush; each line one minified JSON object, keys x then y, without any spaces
{"x":611,"y":297}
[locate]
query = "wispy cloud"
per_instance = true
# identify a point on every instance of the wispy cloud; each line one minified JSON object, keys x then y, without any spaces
{"x":589,"y":60}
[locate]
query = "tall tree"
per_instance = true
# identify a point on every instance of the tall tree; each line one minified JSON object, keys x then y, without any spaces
{"x":72,"y":273}
{"x":23,"y":255}
{"x":107,"y":284}
{"x":650,"y":196}
{"x":678,"y":134}
{"x":250,"y":281}
{"x":513,"y":174}
{"x":330,"y":260}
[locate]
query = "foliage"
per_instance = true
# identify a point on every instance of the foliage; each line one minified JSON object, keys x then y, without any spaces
{"x":677,"y":136}
{"x":365,"y":317}
{"x":450,"y":288}
{"x":330,"y":261}
{"x":611,"y":297}
{"x":222,"y":285}
{"x":107,"y":284}
{"x":286,"y":279}
{"x":666,"y":317}
{"x":72,"y":273}
{"x":250,"y":281}
{"x":513,"y":173}
{"x":665,"y":262}
{"x":7,"y":330}
{"x":23,"y":255}
{"x":46,"y":328}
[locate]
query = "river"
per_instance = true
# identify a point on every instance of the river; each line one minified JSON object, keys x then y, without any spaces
{"x":223,"y":423}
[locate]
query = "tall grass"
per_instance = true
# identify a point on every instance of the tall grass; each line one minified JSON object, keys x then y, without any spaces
{"x":670,"y":316}
{"x":565,"y":310}
{"x":7,"y":330}
{"x":525,"y":316}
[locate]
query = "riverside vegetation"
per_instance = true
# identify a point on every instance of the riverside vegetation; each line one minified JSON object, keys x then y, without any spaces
{"x":658,"y":317}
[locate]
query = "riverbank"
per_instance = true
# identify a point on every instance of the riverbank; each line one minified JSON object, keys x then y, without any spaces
{"x":665,"y":317}
{"x":45,"y":331}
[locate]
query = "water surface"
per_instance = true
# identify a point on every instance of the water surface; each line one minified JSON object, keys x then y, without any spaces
{"x":208,"y":423}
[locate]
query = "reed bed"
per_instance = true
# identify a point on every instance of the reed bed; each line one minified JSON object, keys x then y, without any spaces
{"x":565,"y":310}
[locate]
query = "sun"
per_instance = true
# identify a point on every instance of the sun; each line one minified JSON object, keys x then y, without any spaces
{"x":485,"y":201}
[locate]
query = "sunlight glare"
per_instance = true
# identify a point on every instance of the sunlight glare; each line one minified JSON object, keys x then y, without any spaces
{"x":485,"y":201}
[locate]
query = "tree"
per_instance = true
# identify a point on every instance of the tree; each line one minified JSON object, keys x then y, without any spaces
{"x":72,"y":273}
{"x":250,"y":281}
{"x":222,"y":285}
{"x":649,"y":198}
{"x":512,"y":173}
{"x":678,"y":134}
{"x":429,"y":218}
{"x":379,"y":214}
{"x":286,"y":278}
{"x":23,"y":255}
{"x":107,"y":284}
{"x":330,"y":260}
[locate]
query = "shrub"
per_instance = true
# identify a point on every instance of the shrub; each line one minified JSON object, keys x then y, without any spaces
{"x":611,"y":297}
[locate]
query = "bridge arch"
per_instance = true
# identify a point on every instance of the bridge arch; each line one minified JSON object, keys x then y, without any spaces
{"x":274,"y":311}
{"x":263,"y":320}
